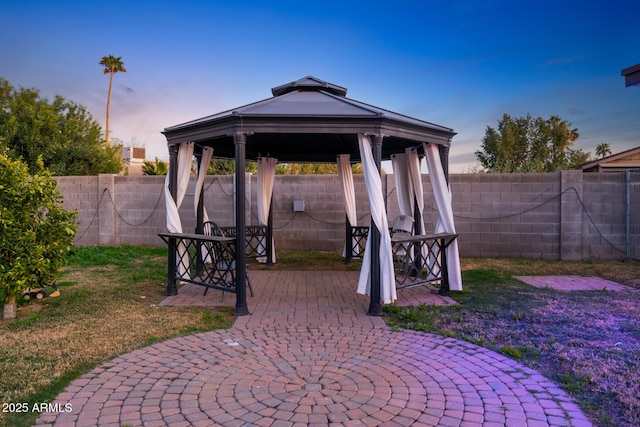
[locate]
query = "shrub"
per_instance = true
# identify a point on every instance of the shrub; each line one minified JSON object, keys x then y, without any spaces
{"x":36,"y":232}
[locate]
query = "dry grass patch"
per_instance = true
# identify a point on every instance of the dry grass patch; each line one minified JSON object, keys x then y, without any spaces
{"x":104,"y":310}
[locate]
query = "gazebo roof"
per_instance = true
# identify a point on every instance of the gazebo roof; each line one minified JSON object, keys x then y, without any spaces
{"x":308,"y":120}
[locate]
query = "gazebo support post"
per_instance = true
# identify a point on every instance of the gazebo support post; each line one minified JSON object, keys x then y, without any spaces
{"x":348,"y":241}
{"x":240,"y":140}
{"x":173,"y":189}
{"x":200,"y":220}
{"x":270,"y":233}
{"x":375,"y":308}
{"x":417,"y":230}
{"x":444,"y":159}
{"x":200,"y":209}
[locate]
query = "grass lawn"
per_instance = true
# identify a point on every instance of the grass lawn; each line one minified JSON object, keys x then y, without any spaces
{"x":107,"y":307}
{"x":588,"y":342}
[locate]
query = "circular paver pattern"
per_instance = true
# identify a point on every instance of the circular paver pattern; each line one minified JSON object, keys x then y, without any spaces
{"x":305,"y":375}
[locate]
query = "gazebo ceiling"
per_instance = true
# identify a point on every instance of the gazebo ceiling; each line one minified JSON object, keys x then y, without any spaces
{"x":308,"y":120}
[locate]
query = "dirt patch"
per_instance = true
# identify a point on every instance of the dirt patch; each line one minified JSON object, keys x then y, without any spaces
{"x":573,"y":283}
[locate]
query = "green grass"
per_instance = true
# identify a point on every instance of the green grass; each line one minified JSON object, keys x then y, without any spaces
{"x":119,"y":256}
{"x":103,"y":291}
{"x":587,"y":342}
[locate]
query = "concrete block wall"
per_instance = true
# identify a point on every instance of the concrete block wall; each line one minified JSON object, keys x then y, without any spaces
{"x":569,"y":215}
{"x":604,"y":197}
{"x":321,"y":225}
{"x":138,"y":210}
{"x":507,"y":215}
{"x":81,"y":193}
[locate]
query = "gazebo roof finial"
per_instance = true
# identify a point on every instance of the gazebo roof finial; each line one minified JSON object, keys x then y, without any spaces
{"x":309,"y":83}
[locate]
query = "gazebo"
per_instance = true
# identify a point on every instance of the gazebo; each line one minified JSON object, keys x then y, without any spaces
{"x":308,"y":121}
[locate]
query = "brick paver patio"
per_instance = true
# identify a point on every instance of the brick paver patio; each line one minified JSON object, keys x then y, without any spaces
{"x":309,"y":355}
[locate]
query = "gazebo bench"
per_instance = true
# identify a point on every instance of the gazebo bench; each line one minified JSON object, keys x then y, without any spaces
{"x":208,"y":261}
{"x":422,"y":259}
{"x":411,"y":271}
{"x":255,"y":236}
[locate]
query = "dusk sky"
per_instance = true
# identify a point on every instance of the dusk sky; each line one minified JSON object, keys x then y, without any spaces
{"x":459,"y":64}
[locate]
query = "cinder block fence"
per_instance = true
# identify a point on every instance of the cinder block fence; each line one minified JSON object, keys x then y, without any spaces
{"x":568,"y":215}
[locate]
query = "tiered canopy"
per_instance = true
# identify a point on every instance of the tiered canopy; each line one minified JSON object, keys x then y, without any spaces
{"x":310,"y":120}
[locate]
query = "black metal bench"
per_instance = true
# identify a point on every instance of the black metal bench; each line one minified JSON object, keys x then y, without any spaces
{"x":357,"y":237}
{"x":255,"y":237}
{"x":422,"y":259}
{"x":208,"y":261}
{"x":410,"y":270}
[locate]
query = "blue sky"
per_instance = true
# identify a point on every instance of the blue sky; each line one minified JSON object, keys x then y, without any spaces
{"x":460,"y":64}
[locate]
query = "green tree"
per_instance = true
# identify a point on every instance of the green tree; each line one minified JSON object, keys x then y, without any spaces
{"x":60,"y":133}
{"x":158,"y":167}
{"x":312,"y":168}
{"x":525,"y":144}
{"x":228,"y":167}
{"x":36,"y":232}
{"x":111,"y":66}
{"x":603,"y":150}
{"x":222,"y":167}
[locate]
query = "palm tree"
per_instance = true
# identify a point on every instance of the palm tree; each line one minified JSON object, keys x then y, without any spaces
{"x":111,"y":66}
{"x":157,"y":168}
{"x":603,"y":150}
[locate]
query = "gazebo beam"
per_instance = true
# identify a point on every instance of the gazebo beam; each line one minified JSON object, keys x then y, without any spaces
{"x":200,"y":210}
{"x":444,"y":159}
{"x":172,"y":289}
{"x":375,"y":308}
{"x":269,"y":245}
{"x":240,"y":140}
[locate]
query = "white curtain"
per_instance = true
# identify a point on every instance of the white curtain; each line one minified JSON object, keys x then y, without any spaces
{"x":404,"y":190}
{"x":413,"y":166}
{"x":379,"y":218}
{"x":185,"y":157}
{"x":442,"y":194}
{"x":266,"y":179}
{"x":174,"y":225}
{"x":207,"y":153}
{"x":345,"y":174}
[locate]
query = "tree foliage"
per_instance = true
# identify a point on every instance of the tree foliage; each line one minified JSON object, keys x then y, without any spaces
{"x":157,"y":167}
{"x":603,"y":150}
{"x":525,"y":144}
{"x":36,"y":232}
{"x":223,"y":167}
{"x":60,"y":133}
{"x":228,"y":167}
{"x":313,"y":168}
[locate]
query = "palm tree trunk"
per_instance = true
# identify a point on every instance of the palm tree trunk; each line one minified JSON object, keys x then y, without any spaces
{"x":106,"y":136}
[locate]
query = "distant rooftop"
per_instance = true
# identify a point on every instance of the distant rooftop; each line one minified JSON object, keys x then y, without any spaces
{"x":618,"y":162}
{"x":631,"y":75}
